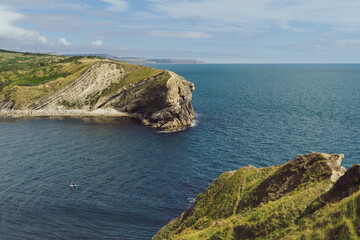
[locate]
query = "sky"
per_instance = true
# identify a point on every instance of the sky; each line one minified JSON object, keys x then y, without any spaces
{"x":217,"y":31}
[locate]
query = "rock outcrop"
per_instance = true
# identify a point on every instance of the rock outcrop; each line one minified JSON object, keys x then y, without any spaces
{"x":159,"y":98}
{"x":310,"y":197}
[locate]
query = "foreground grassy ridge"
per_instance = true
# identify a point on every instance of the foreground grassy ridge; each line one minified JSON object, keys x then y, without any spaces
{"x":334,"y":221}
{"x":27,"y":77}
{"x":283,"y":202}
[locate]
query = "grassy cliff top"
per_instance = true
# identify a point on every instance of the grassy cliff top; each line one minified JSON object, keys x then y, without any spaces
{"x":26,"y":77}
{"x":297,"y":200}
{"x":32,"y":69}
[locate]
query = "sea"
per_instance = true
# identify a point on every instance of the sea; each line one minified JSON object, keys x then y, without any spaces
{"x":133,"y":179}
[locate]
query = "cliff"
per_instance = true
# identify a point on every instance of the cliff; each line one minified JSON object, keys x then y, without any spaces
{"x":310,"y":197}
{"x":46,"y":85}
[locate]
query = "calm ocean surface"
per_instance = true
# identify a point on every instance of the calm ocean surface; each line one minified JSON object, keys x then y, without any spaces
{"x":133,"y":179}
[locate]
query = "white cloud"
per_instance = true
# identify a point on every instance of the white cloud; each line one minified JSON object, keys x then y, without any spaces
{"x":346,"y":44}
{"x":64,"y":41}
{"x":42,"y":39}
{"x":59,"y":22}
{"x":10,"y":32}
{"x":329,"y":45}
{"x":266,"y":13}
{"x":117,"y":5}
{"x":97,"y":43}
{"x":179,"y":34}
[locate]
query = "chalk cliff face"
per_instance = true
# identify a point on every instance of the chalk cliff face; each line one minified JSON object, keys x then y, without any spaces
{"x":160,"y":99}
{"x":310,"y":197}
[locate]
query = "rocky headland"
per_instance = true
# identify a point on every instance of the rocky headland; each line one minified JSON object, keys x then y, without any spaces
{"x":91,"y":86}
{"x":310,"y":197}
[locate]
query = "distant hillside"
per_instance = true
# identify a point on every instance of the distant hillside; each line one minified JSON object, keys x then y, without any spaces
{"x":140,"y":60}
{"x":33,"y":84}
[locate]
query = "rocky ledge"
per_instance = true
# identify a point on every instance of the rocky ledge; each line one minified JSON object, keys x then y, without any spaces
{"x":160,"y":99}
{"x":310,"y":197}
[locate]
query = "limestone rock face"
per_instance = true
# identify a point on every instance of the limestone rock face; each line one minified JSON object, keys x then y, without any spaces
{"x":166,"y":106}
{"x":178,"y":110}
{"x":161,"y":99}
{"x":87,"y":87}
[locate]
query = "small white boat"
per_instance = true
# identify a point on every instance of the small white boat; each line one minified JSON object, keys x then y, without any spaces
{"x":72,"y":184}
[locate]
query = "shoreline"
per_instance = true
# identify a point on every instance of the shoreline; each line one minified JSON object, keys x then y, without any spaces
{"x":83,"y":114}
{"x":64,"y":113}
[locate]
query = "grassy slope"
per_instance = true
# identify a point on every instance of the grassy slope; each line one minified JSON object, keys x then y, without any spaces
{"x":26,"y":77}
{"x":268,"y":203}
{"x":339,"y":220}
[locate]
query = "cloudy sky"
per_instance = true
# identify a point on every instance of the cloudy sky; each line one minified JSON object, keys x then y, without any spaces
{"x":239,"y":31}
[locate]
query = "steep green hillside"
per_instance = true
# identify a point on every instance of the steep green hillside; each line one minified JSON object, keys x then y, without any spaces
{"x":297,"y":200}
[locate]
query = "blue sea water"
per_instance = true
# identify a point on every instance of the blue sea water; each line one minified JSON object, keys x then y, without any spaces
{"x":133,"y":179}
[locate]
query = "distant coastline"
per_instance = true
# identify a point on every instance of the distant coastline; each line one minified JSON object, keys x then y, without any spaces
{"x":143,"y":60}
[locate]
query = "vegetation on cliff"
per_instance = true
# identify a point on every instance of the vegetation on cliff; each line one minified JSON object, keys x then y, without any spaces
{"x":27,"y":77}
{"x":49,"y":85}
{"x":308,"y":198}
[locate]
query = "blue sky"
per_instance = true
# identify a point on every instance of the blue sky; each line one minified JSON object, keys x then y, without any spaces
{"x":230,"y":31}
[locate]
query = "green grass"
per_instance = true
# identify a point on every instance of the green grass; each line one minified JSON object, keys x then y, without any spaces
{"x":11,"y":61}
{"x":334,"y":221}
{"x":280,"y":202}
{"x":26,"y":77}
{"x":23,"y":69}
{"x":136,"y":73}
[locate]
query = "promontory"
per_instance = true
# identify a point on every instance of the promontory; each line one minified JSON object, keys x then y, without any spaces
{"x":44,"y":85}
